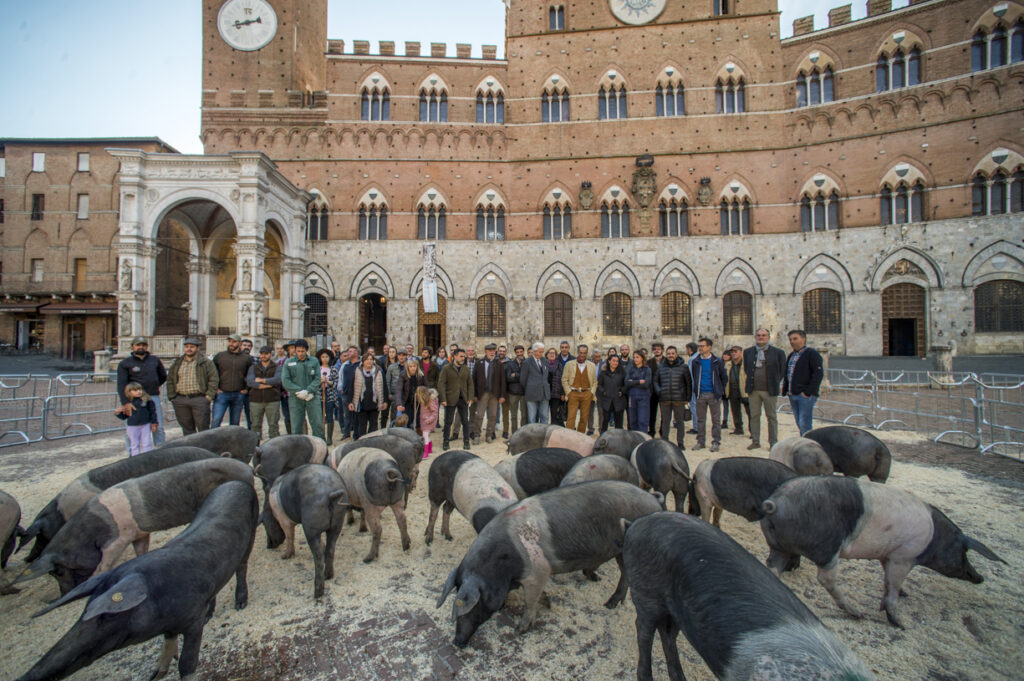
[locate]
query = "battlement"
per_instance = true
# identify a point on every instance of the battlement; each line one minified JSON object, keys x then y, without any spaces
{"x":843,"y":15}
{"x":386,"y":48}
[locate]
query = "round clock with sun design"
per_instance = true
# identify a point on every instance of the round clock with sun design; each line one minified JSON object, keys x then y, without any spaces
{"x":637,"y":11}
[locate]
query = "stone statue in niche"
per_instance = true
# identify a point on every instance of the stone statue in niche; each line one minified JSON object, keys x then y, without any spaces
{"x":245,"y":325}
{"x":247,"y":276}
{"x":126,"y":275}
{"x":704,"y":193}
{"x":257,"y":319}
{"x":126,"y":320}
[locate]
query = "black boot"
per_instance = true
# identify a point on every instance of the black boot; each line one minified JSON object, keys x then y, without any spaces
{"x":330,"y":432}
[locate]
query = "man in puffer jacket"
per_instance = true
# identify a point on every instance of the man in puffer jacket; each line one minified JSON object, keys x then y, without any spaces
{"x":674,"y":386}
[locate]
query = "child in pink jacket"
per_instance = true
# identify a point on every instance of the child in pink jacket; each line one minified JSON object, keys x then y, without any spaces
{"x":427,"y":399}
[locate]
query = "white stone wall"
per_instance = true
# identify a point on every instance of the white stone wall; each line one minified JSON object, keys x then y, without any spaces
{"x":954,"y":255}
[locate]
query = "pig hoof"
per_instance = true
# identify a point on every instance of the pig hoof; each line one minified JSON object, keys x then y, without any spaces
{"x":9,"y":591}
{"x":240,"y":604}
{"x":406,"y":545}
{"x":591,"y":575}
{"x":448,"y":537}
{"x":369,"y":558}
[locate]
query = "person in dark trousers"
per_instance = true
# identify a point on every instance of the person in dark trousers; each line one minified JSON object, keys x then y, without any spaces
{"x":766,"y":365}
{"x":410,"y":378}
{"x":191,"y":387}
{"x":264,"y":381}
{"x":709,"y":377}
{"x":691,"y":352}
{"x":369,"y":396}
{"x":638,"y":391}
{"x":611,"y":381}
{"x":516,"y":401}
{"x":490,"y":390}
{"x":232,"y":367}
{"x":674,"y":386}
{"x":536,"y":385}
{"x":804,"y":373}
{"x":657,"y":357}
{"x":736,"y":390}
{"x":247,"y":349}
{"x":455,"y":390}
{"x":557,"y":402}
{"x":347,"y":375}
{"x":148,"y":371}
{"x":284,"y":352}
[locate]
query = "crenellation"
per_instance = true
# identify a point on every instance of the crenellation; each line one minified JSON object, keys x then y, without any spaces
{"x":361,"y":47}
{"x":438,"y":49}
{"x":412,"y":48}
{"x":387,"y":48}
{"x":335,"y":47}
{"x":876,"y":7}
{"x":839,"y":15}
{"x":803,"y":25}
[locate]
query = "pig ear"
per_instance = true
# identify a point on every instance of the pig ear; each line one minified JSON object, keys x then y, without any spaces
{"x":448,"y":586}
{"x":122,"y":596}
{"x":468,"y":597}
{"x":25,"y":536}
{"x":975,"y":545}
{"x":36,"y":569}
{"x":81,"y":591}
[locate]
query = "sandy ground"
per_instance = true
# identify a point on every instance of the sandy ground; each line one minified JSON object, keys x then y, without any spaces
{"x":379,"y":621}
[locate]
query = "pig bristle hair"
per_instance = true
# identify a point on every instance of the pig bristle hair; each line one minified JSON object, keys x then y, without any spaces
{"x":794,"y":650}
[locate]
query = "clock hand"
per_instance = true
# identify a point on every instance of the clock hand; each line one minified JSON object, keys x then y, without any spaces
{"x":240,"y":24}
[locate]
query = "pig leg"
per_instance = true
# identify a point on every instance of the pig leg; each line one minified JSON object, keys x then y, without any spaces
{"x":669,"y":632}
{"x":313,"y":539}
{"x":167,"y":655}
{"x":351,"y":517}
{"x":446,"y":521}
{"x":141,"y":545}
{"x":895,"y":573}
{"x":827,"y":578}
{"x":717,"y":516}
{"x":192,"y":641}
{"x":428,"y":535}
{"x":362,"y":520}
{"x":619,"y":594}
{"x":371,"y":514}
{"x":679,"y":498}
{"x":399,"y":511}
{"x":533,"y":589}
{"x":242,"y":585}
{"x":111,"y":553}
{"x":645,"y":644}
{"x":706,"y":505}
{"x":289,"y":538}
{"x":332,"y":542}
{"x":591,"y":575}
{"x":780,"y":561}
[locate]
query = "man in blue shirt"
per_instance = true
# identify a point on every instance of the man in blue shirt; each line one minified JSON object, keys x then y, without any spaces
{"x":709,"y":379}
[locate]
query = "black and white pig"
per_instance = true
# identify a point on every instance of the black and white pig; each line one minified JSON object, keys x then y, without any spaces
{"x":459,"y":480}
{"x":804,"y":456}
{"x":401,"y":449}
{"x":854,"y":451}
{"x":538,"y":435}
{"x":619,"y":442}
{"x":315,"y":497}
{"x":10,"y":532}
{"x":686,"y":575}
{"x":374,"y":482}
{"x":87,"y":485}
{"x":738,"y":484}
{"x":284,"y":453}
{"x":828,"y":518}
{"x":238,"y":441}
{"x":95,"y":537}
{"x":171,"y":591}
{"x":407,"y":434}
{"x":563,"y":530}
{"x":537,"y":470}
{"x":601,"y":467}
{"x":663,"y":467}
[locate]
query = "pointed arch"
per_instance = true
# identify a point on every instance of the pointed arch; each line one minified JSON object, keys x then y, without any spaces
{"x":608,"y":282}
{"x":736,"y":189}
{"x":444,"y":283}
{"x":569,"y":283}
{"x":822,"y":181}
{"x":986,"y":265}
{"x":373,"y":197}
{"x":738,"y":275}
{"x":928,"y":266}
{"x":613,"y":77}
{"x":1003,"y":158}
{"x":676,"y":275}
{"x":556,"y":195}
{"x":675,"y":191}
{"x":490,"y":197}
{"x":324,"y":283}
{"x":372,"y":278}
{"x":432,"y":197}
{"x":481,"y":285}
{"x":907,"y":171}
{"x":823,"y":271}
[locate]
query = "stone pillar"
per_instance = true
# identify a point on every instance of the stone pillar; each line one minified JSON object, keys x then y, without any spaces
{"x":201,"y":291}
{"x":250,"y":256}
{"x":101,"y":366}
{"x":942,"y":358}
{"x":293,"y":276}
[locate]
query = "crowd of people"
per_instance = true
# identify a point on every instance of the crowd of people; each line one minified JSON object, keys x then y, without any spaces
{"x":336,"y":393}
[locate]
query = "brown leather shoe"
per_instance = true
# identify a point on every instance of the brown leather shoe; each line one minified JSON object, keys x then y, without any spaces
{"x":754,"y":445}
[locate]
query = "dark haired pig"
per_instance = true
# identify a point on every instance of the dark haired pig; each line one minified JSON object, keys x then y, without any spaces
{"x":314,"y":496}
{"x":284,"y":453}
{"x":804,"y":456}
{"x":738,"y":484}
{"x":465,"y":482}
{"x":854,"y":452}
{"x":407,"y":455}
{"x":563,"y":530}
{"x":87,"y":485}
{"x":171,"y":591}
{"x":374,"y":482}
{"x":601,"y":467}
{"x":240,"y":442}
{"x":619,"y":442}
{"x":538,"y":435}
{"x":828,"y":518}
{"x":662,"y":466}
{"x":93,"y":540}
{"x":537,"y":470}
{"x":10,"y":531}
{"x":407,"y":434}
{"x":686,"y":575}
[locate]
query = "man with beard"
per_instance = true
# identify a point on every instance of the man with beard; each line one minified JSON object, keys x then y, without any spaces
{"x":148,"y":371}
{"x":192,"y":384}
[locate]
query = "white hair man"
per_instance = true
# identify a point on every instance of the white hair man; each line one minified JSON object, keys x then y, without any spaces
{"x":536,"y":385}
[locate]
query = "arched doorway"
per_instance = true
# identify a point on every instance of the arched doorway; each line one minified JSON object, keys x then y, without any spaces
{"x":373,"y":321}
{"x":173,"y":313}
{"x":433,"y":326}
{"x":904,"y":328}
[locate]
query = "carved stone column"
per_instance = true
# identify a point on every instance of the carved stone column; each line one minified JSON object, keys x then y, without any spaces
{"x":293,"y":276}
{"x":202,"y":291}
{"x":250,"y":256}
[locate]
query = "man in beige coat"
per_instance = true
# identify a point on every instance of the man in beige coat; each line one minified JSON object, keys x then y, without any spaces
{"x":579,"y":383}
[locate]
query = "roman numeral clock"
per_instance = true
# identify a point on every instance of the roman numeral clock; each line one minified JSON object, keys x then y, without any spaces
{"x":247,"y":25}
{"x":636,"y":11}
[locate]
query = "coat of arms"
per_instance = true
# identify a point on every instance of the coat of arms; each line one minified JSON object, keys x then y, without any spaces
{"x":704,"y":193}
{"x":645,"y":181}
{"x":586,"y":196}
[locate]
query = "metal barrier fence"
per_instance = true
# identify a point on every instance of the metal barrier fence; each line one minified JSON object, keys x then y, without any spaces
{"x":975,"y":411}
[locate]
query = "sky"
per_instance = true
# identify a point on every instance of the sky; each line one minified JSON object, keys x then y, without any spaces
{"x":131,"y":68}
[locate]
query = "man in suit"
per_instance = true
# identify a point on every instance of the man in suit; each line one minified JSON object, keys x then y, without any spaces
{"x":489,"y":386}
{"x":804,"y":373}
{"x":536,"y":385}
{"x":766,"y":365}
{"x":579,"y":383}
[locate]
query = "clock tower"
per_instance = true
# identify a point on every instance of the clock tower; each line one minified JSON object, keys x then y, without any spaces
{"x":263,"y":53}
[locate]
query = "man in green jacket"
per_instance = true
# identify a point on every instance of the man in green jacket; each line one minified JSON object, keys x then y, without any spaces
{"x":455,"y":390}
{"x":300,"y":376}
{"x":192,"y":383}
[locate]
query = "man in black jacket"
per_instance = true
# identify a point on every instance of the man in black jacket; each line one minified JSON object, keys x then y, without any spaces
{"x":674,"y":387}
{"x":489,"y":385}
{"x":147,"y":370}
{"x":804,"y":372}
{"x":516,"y":402}
{"x":766,"y":365}
{"x":657,"y":357}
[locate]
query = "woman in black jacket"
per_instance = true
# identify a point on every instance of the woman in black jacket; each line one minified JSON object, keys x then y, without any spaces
{"x":610,"y":395}
{"x":410,"y":378}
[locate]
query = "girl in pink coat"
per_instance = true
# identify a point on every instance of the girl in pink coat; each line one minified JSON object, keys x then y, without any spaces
{"x":427,"y":398}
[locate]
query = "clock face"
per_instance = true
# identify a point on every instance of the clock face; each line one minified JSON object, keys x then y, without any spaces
{"x":636,"y":11}
{"x":247,"y":25}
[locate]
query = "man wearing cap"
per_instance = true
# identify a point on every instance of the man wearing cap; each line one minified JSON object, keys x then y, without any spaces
{"x":192,"y":384}
{"x":514,"y":383}
{"x":147,"y":370}
{"x":490,"y":389}
{"x":284,"y":351}
{"x":264,"y":381}
{"x":301,"y":378}
{"x":232,"y":366}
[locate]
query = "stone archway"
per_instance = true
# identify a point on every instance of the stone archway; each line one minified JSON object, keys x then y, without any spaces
{"x":433,"y":326}
{"x":373,"y":321}
{"x":904,"y":320}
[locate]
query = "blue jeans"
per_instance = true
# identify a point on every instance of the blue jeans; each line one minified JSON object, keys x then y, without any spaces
{"x":803,"y":411}
{"x":639,"y":410}
{"x":537,"y":412}
{"x":158,"y":436}
{"x":222,"y":403}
